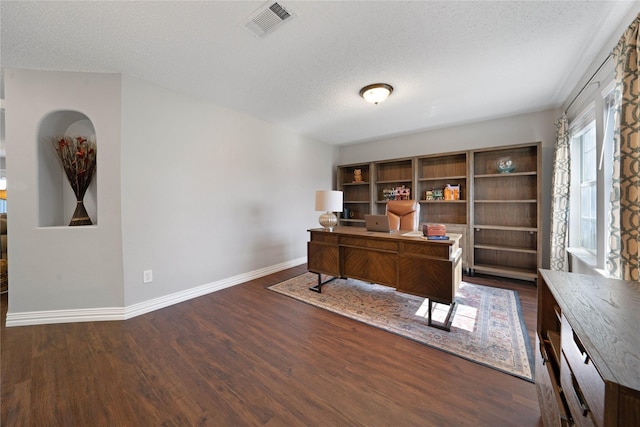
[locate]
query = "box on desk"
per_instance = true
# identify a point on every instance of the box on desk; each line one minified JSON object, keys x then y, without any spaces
{"x":434,"y":230}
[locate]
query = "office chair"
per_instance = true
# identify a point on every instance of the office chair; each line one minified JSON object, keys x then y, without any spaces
{"x":403,"y":214}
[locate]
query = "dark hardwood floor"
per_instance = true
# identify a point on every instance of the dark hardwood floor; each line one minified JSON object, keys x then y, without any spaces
{"x":249,"y":356}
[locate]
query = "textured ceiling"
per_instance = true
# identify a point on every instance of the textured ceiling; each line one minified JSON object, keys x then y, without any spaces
{"x":450,"y":62}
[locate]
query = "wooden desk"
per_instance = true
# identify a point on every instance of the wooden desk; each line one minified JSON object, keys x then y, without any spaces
{"x":414,"y":265}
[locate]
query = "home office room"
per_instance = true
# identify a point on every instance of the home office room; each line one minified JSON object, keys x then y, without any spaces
{"x":319,"y":213}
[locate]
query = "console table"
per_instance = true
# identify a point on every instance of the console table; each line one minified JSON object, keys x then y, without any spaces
{"x":587,"y":369}
{"x":410,"y":263}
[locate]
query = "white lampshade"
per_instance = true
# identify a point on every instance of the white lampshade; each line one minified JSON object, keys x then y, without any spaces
{"x":328,"y":201}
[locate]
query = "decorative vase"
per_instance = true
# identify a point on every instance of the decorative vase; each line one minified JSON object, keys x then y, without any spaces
{"x":80,"y":215}
{"x":77,"y":157}
{"x":505,"y":165}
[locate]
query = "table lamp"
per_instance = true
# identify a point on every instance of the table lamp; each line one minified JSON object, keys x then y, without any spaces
{"x":329,"y":202}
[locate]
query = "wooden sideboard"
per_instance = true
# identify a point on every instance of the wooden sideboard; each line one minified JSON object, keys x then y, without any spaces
{"x":411,"y":264}
{"x":587,"y":369}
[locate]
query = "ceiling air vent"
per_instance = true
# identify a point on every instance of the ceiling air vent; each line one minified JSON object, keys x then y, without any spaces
{"x":267,"y":19}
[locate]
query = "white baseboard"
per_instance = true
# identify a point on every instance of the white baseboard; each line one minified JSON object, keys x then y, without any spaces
{"x":124,"y":313}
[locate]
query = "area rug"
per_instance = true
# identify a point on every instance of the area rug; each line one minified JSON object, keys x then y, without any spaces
{"x":487,"y":325}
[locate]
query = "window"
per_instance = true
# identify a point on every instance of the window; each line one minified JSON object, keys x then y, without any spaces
{"x":592,"y":134}
{"x":588,"y":189}
{"x":585,"y":191}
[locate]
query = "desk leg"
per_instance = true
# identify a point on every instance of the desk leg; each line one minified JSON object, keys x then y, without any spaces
{"x":446,"y":326}
{"x":318,"y":288}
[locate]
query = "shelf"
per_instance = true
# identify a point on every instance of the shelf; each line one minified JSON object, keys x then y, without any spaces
{"x":506,"y":248}
{"x":447,"y":224}
{"x":384,"y":201}
{"x":394,"y":171}
{"x":443,"y":166}
{"x":443,"y":178}
{"x":443,"y":201}
{"x":504,"y":175}
{"x":498,"y":270}
{"x":505,"y":228}
{"x":356,"y":201}
{"x":507,"y":201}
{"x":394,"y":181}
{"x":356,"y":183}
{"x":346,"y":175}
{"x":554,"y":340}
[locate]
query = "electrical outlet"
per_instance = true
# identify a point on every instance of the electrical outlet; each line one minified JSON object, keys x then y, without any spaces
{"x":147,"y":276}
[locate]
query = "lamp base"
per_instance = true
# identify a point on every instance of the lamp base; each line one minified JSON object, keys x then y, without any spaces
{"x":328,"y":220}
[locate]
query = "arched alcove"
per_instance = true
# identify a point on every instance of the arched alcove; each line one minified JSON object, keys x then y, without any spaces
{"x":56,"y":201}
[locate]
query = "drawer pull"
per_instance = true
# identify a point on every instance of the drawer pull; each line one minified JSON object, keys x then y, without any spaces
{"x":543,"y":353}
{"x":583,"y":352}
{"x":576,"y":388}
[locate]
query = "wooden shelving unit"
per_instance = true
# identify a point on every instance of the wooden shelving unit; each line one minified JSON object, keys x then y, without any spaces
{"x":390,"y":174}
{"x":505,"y":212}
{"x":435,"y":172}
{"x":356,"y":195}
{"x":497,"y":213}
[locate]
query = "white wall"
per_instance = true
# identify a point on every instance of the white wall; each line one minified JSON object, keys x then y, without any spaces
{"x":210,"y":193}
{"x":60,"y":267}
{"x":523,"y":128}
{"x":194,"y":192}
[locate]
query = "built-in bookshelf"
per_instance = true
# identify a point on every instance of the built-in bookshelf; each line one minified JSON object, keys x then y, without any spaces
{"x":497,"y":212}
{"x":356,"y":192}
{"x":434,"y":173}
{"x":505,"y":218}
{"x":390,"y":175}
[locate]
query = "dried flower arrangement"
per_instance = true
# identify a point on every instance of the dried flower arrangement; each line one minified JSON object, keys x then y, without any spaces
{"x":77,"y":156}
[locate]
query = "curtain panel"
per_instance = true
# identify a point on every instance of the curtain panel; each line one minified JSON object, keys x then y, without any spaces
{"x":624,"y":223}
{"x":560,"y":185}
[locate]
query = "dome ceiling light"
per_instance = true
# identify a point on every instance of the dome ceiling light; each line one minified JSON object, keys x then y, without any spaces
{"x":376,"y":92}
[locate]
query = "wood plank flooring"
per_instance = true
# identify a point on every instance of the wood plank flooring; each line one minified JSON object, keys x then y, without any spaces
{"x":249,"y":356}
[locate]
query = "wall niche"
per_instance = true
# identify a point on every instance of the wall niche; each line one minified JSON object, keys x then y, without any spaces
{"x":56,"y":200}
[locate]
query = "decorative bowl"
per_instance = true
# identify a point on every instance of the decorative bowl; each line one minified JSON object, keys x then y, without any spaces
{"x":505,"y":165}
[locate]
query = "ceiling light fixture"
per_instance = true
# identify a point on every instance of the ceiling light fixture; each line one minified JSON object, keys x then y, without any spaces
{"x":376,"y":92}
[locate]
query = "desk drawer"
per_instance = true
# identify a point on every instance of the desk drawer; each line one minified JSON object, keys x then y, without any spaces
{"x":580,"y":411}
{"x":548,"y":390}
{"x":428,"y":277}
{"x":323,"y":258}
{"x":363,"y":242}
{"x":586,"y":375}
{"x":372,"y":266}
{"x":436,"y":250}
{"x":324,"y":237}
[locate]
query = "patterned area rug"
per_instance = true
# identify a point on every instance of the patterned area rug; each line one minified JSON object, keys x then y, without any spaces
{"x":487,"y":325}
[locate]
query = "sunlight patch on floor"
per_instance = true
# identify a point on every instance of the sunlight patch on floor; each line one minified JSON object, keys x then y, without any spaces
{"x":465,"y":317}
